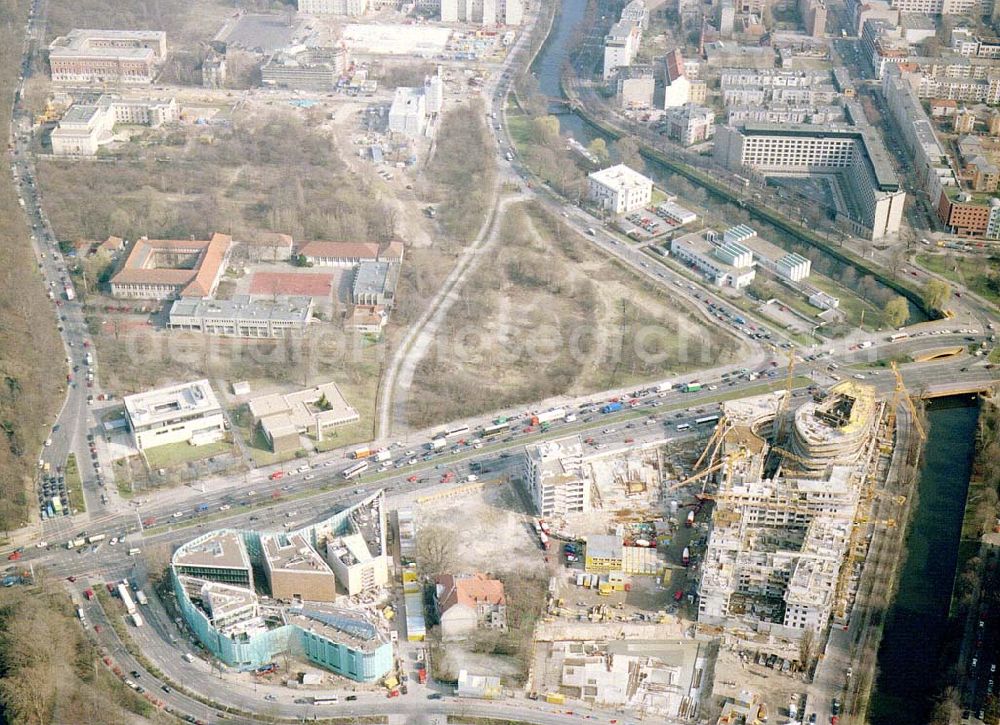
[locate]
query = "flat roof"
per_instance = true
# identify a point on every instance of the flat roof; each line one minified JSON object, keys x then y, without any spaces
{"x":292,"y":553}
{"x":220,"y":549}
{"x":373,"y":278}
{"x":163,"y":404}
{"x":604,"y":546}
{"x":302,"y":408}
{"x":620,"y":177}
{"x":885,"y":176}
{"x":337,"y":625}
{"x":243,"y":307}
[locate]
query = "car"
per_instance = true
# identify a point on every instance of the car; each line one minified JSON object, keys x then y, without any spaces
{"x":71,"y":579}
{"x":165,"y":688}
{"x":435,"y":696}
{"x":135,"y":674}
{"x":270,"y":698}
{"x":351,"y":698}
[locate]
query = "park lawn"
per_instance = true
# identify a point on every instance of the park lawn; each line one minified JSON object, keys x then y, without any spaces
{"x":177,"y":454}
{"x":969,"y":271}
{"x":851,"y":305}
{"x":74,"y":485}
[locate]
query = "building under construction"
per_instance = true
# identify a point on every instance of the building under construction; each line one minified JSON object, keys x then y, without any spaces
{"x":793,"y":487}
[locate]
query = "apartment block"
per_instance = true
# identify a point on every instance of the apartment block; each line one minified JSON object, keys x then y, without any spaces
{"x":620,"y":46}
{"x":129,"y":57}
{"x":676,"y":86}
{"x":690,"y":124}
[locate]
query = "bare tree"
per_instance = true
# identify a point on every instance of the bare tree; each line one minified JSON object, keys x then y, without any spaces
{"x":437,"y":550}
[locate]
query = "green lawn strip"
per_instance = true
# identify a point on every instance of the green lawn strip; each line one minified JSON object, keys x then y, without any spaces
{"x":74,"y":486}
{"x":973,"y":272}
{"x":172,"y":455}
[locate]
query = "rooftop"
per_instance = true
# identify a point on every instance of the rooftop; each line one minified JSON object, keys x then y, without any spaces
{"x":165,"y":404}
{"x":340,"y":250}
{"x":304,"y":408}
{"x":153,"y":262}
{"x":469,"y":590}
{"x":373,"y":278}
{"x":338,"y":625}
{"x":220,"y":549}
{"x":604,"y":546}
{"x":292,"y":553}
{"x":243,"y":307}
{"x":620,"y":177}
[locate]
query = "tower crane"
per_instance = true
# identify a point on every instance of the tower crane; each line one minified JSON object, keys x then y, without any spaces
{"x":779,"y":416}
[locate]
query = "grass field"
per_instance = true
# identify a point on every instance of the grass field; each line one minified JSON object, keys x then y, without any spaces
{"x":74,"y":485}
{"x":973,"y":272}
{"x":177,"y":454}
{"x":543,"y":314}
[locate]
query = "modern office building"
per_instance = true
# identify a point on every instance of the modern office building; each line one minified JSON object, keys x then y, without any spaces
{"x":726,"y":263}
{"x":243,"y":316}
{"x":187,"y":412}
{"x":163,"y":269}
{"x":619,"y":189}
{"x":219,"y":600}
{"x":128,"y":57}
{"x":852,"y":156}
{"x":306,"y":68}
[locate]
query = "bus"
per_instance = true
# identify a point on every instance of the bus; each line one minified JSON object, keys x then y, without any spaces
{"x":706,"y":420}
{"x":356,"y":470}
{"x":684,"y":426}
{"x":460,"y":431}
{"x":898,"y":336}
{"x":331,"y":700}
{"x":494,"y":430}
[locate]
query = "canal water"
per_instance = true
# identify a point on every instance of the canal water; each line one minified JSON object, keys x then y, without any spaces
{"x":909,"y":657}
{"x":548,"y":67}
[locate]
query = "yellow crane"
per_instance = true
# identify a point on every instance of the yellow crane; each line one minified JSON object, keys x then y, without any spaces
{"x":902,"y":395}
{"x":779,"y":417}
{"x":714,"y":442}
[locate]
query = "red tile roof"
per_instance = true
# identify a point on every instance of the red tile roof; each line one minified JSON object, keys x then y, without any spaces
{"x":340,"y":250}
{"x":196,"y":282}
{"x":469,"y":590}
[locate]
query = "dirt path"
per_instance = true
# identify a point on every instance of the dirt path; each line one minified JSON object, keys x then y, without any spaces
{"x":399,"y":373}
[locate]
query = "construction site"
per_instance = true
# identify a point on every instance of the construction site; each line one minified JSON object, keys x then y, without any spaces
{"x":760,"y":550}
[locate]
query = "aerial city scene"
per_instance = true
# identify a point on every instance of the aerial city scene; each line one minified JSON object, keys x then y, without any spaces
{"x":500,"y":361}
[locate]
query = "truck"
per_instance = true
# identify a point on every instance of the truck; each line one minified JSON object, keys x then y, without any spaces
{"x":570,"y":417}
{"x":611,"y":407}
{"x":76,"y":543}
{"x":548,"y":416}
{"x":68,"y":291}
{"x":422,"y":676}
{"x":136,"y":619}
{"x":692,"y":387}
{"x":686,"y":555}
{"x":689,"y":521}
{"x":383,"y":455}
{"x":864,"y":345}
{"x":361,"y":453}
{"x":140,"y":596}
{"x":88,"y":359}
{"x":437,"y":444}
{"x":509,"y":156}
{"x":126,"y":598}
{"x":96,"y":538}
{"x":664,"y":387}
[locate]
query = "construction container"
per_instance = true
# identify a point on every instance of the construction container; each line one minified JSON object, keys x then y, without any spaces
{"x":555,"y":698}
